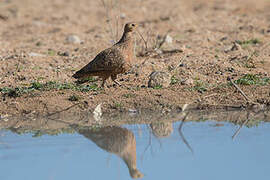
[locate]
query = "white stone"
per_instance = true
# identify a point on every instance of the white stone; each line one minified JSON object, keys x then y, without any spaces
{"x":73,"y":39}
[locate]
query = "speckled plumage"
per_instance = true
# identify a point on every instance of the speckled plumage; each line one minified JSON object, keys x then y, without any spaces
{"x":112,"y":61}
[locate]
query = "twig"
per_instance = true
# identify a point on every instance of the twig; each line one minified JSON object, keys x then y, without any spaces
{"x":240,"y":90}
{"x":108,"y":18}
{"x":148,"y":145}
{"x":209,"y":95}
{"x":145,"y":42}
{"x":244,"y":123}
{"x":182,"y":135}
{"x":162,"y":42}
{"x":63,"y":110}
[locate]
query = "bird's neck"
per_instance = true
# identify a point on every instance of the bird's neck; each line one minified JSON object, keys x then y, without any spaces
{"x":130,"y":161}
{"x":127,"y":38}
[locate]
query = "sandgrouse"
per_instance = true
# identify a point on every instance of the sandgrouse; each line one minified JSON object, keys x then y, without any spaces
{"x":112,"y":61}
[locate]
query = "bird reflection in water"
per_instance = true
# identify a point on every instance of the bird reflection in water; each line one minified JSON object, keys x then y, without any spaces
{"x":162,"y":129}
{"x":116,"y":140}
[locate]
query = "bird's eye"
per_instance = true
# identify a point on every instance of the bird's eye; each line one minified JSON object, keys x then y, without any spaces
{"x":133,"y":25}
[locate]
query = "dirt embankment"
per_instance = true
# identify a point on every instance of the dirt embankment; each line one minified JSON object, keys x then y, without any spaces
{"x":206,"y":42}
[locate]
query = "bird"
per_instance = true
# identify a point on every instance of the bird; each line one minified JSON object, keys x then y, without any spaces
{"x":112,"y":61}
{"x":116,"y":140}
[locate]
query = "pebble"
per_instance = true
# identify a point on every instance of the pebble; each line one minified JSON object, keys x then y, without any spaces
{"x":168,"y":39}
{"x":159,"y":78}
{"x":219,"y":72}
{"x":122,"y":15}
{"x":181,"y":65}
{"x":188,"y":82}
{"x":66,"y":53}
{"x":132,"y":112}
{"x":73,"y":39}
{"x":234,"y":47}
{"x":4,"y":117}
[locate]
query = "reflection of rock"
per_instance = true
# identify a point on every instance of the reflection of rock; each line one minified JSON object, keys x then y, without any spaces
{"x":162,"y":129}
{"x":117,"y":140}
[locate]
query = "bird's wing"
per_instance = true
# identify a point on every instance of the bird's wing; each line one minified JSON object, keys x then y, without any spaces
{"x":106,"y":60}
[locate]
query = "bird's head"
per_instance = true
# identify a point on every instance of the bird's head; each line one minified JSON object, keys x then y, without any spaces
{"x":135,"y":174}
{"x":130,"y":27}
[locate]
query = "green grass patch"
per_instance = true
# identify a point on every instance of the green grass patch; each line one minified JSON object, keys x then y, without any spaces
{"x":174,"y":80}
{"x":200,"y":86}
{"x":88,"y":79}
{"x":248,"y":42}
{"x":51,"y":85}
{"x":117,"y":105}
{"x":252,"y":79}
{"x":54,"y":132}
{"x":73,"y":98}
{"x":158,"y":87}
{"x":51,"y":52}
{"x":129,"y":95}
{"x":39,"y":133}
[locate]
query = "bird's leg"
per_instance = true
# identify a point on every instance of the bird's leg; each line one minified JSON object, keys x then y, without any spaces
{"x":104,"y":81}
{"x":114,"y":77}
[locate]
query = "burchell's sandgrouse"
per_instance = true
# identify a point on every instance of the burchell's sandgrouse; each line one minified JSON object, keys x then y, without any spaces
{"x":112,"y":61}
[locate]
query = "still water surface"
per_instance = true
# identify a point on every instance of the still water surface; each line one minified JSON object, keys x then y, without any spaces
{"x":154,"y":152}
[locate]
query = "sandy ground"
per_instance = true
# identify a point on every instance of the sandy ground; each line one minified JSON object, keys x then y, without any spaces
{"x":34,"y":48}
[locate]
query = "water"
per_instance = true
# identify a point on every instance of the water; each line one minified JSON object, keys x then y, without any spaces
{"x":84,"y":154}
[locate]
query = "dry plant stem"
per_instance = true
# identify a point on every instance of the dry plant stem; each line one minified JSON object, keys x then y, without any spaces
{"x":108,"y":18}
{"x":244,"y":123}
{"x":48,"y":115}
{"x":148,"y":145}
{"x":145,"y":42}
{"x":240,"y":90}
{"x":162,"y":42}
{"x":182,"y":135}
{"x":209,"y":95}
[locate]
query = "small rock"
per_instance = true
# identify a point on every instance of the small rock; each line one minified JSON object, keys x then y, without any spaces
{"x":3,"y":17}
{"x":4,"y":117}
{"x":38,"y":43}
{"x":168,"y":39}
{"x":219,"y":72}
{"x":97,"y":113}
{"x":143,"y":86}
{"x":188,"y":82}
{"x":158,"y":51}
{"x":159,"y":78}
{"x":66,"y":53}
{"x":227,"y":49}
{"x":73,"y":39}
{"x":223,"y":38}
{"x":236,"y":47}
{"x":230,"y":69}
{"x":132,"y":112}
{"x":181,"y":65}
{"x":122,"y":15}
